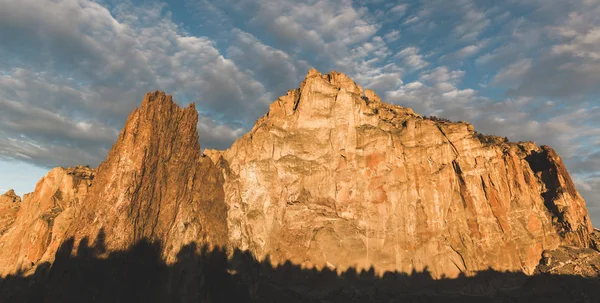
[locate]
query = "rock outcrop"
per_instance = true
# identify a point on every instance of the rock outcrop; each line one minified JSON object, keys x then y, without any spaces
{"x":9,"y":206}
{"x":330,"y":177}
{"x":571,"y":260}
{"x":44,"y":216}
{"x":155,"y":184}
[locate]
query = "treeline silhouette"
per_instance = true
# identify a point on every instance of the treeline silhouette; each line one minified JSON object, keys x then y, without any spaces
{"x":201,"y":274}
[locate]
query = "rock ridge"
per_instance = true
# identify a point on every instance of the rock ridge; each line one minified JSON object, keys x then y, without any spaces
{"x":154,"y":184}
{"x":331,"y":166}
{"x":43,"y":218}
{"x":331,"y":176}
{"x":9,"y":207}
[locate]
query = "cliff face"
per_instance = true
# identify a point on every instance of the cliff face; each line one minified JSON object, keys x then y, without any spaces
{"x":42,"y":220}
{"x":155,"y":184}
{"x":330,"y":176}
{"x":9,"y":207}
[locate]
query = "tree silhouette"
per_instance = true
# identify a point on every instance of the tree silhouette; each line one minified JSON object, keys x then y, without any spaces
{"x":204,"y":274}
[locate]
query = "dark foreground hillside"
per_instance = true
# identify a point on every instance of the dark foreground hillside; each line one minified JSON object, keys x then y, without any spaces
{"x":201,"y":274}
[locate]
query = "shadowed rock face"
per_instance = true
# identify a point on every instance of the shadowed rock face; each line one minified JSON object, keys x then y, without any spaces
{"x":560,"y":197}
{"x":330,"y":177}
{"x":204,"y":274}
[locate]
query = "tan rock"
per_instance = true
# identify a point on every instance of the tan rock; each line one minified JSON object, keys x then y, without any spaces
{"x":570,"y":260}
{"x":43,"y":218}
{"x":154,"y":184}
{"x":372,"y":96}
{"x":329,"y":177}
{"x":9,"y":206}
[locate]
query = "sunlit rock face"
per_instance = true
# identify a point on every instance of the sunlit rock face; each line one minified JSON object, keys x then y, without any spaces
{"x":330,"y":176}
{"x":333,"y":176}
{"x":9,"y":207}
{"x":155,"y":184}
{"x":43,"y":217}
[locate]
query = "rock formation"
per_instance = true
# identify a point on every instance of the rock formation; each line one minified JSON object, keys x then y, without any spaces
{"x":9,"y":207}
{"x":155,"y":184}
{"x":330,"y":177}
{"x":571,"y":260}
{"x":43,"y":218}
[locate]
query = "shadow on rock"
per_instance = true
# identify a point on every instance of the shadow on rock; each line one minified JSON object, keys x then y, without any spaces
{"x":201,"y":274}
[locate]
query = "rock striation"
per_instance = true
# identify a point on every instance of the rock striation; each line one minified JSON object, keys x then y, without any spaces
{"x":333,"y":176}
{"x":155,"y":184}
{"x":330,"y":177}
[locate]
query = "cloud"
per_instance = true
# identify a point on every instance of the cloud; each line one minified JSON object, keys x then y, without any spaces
{"x":410,"y":20}
{"x":217,"y":135}
{"x":581,"y":34}
{"x":392,"y":36}
{"x":396,"y":12}
{"x":44,"y":121}
{"x":304,"y":35}
{"x":442,"y":74}
{"x":314,"y":25}
{"x":456,"y":22}
{"x":512,"y":74}
{"x":466,"y":51}
{"x":64,"y":104}
{"x":575,"y":59}
{"x":552,"y":53}
{"x":472,"y":24}
{"x":71,"y":70}
{"x":436,"y":92}
{"x":309,"y":31}
{"x":275,"y":68}
{"x":412,"y":58}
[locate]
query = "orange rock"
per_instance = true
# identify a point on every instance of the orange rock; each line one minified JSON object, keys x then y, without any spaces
{"x":155,"y":184}
{"x":328,"y":177}
{"x":9,"y":206}
{"x":452,"y":201}
{"x":43,"y":218}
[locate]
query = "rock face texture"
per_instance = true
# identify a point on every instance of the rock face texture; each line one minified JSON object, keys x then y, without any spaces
{"x":155,"y":184}
{"x":570,"y":260}
{"x":330,"y":177}
{"x":9,"y":207}
{"x":44,"y":216}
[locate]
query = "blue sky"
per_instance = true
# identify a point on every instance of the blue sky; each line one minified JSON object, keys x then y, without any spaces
{"x":72,"y":70}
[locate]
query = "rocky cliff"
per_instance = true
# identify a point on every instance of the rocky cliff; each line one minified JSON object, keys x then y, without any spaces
{"x":333,"y":176}
{"x":42,"y":218}
{"x":155,"y":184}
{"x":330,"y":177}
{"x":9,"y":207}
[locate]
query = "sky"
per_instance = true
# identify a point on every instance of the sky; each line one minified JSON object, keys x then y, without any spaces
{"x":72,"y":70}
